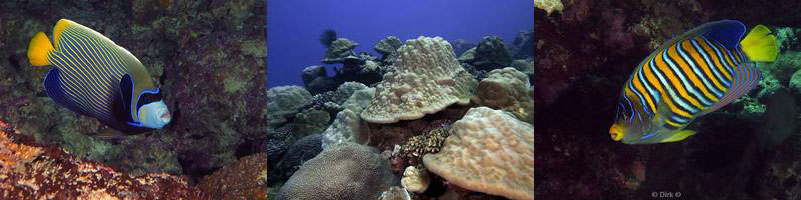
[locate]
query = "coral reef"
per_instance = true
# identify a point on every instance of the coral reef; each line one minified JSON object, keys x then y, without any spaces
{"x":344,"y":129}
{"x":34,"y":171}
{"x":488,"y":151}
{"x":426,"y":79}
{"x":208,"y":58}
{"x":339,"y":50}
{"x":507,"y":89}
{"x":284,"y":102}
{"x":415,"y":180}
{"x":549,"y":5}
{"x":301,"y":151}
{"x":245,"y":179}
{"x":348,"y":171}
{"x":585,"y":54}
{"x":387,"y":47}
{"x":491,"y":53}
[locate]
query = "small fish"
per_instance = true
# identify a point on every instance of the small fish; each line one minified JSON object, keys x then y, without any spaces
{"x":95,"y":77}
{"x":691,"y":75}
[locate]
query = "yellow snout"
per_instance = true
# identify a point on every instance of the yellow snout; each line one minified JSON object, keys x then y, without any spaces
{"x":616,"y":132}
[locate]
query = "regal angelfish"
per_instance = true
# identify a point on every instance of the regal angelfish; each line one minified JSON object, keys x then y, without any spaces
{"x":95,"y":77}
{"x":691,"y":75}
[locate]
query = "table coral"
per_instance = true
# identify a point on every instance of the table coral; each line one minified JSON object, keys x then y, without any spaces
{"x":426,"y":79}
{"x":488,"y":151}
{"x":34,"y":171}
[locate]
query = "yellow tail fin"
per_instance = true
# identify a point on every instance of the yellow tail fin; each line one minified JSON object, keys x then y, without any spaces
{"x":759,"y":45}
{"x":38,"y":49}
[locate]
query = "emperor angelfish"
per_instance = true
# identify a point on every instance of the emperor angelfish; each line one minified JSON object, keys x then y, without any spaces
{"x":691,"y":75}
{"x":95,"y":77}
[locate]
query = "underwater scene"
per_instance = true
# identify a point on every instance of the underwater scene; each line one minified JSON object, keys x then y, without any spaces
{"x":694,"y":99}
{"x":140,"y":99}
{"x":400,"y":100}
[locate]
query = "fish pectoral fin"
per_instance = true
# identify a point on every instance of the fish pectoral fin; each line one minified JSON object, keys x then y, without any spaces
{"x":126,"y":94}
{"x":110,"y":134}
{"x":679,"y":136}
{"x":760,"y":45}
{"x":38,"y":49}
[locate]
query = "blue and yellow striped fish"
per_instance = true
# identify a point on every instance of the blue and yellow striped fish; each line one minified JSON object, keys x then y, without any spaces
{"x":691,"y":75}
{"x":95,"y":77}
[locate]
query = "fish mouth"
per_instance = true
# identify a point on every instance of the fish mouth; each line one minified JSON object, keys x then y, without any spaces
{"x":165,"y":116}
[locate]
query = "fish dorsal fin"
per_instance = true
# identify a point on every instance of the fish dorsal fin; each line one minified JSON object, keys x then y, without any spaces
{"x":126,"y":93}
{"x":727,"y":32}
{"x":59,"y":28}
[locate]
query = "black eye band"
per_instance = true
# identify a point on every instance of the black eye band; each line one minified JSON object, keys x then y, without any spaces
{"x":148,"y":97}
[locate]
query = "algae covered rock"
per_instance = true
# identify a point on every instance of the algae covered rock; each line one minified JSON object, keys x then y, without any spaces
{"x":284,"y":102}
{"x":491,"y":53}
{"x":25,"y":165}
{"x":387,"y":46}
{"x":339,"y":50}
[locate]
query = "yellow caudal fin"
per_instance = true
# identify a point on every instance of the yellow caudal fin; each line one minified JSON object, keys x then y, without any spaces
{"x":759,"y":45}
{"x":38,"y":49}
{"x":679,"y":136}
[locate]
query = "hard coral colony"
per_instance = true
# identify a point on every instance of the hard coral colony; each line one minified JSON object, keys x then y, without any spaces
{"x":445,"y":127}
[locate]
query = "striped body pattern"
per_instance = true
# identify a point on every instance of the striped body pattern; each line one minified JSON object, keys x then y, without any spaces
{"x":691,"y":75}
{"x":93,"y":76}
{"x":90,"y":71}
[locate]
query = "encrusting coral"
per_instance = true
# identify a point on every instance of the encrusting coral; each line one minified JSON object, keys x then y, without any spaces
{"x":488,"y":151}
{"x":426,"y":78}
{"x":34,"y":171}
{"x":246,"y":179}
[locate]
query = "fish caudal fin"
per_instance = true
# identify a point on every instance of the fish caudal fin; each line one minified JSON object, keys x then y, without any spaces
{"x":38,"y":50}
{"x":679,"y":136}
{"x":759,"y":45}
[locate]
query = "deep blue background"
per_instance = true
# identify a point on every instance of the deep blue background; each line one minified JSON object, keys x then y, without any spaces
{"x":294,"y":26}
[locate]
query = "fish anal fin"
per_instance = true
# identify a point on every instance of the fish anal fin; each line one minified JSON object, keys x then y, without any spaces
{"x":52,"y":84}
{"x":678,"y":136}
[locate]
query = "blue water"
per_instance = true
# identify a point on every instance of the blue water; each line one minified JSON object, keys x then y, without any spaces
{"x":294,"y":26}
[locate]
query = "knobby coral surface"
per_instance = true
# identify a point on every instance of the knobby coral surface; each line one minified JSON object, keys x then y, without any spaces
{"x":488,"y":151}
{"x":426,"y":79}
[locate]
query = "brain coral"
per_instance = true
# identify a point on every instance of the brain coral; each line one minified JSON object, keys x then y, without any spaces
{"x":346,"y":171}
{"x":488,"y":151}
{"x":425,"y":79}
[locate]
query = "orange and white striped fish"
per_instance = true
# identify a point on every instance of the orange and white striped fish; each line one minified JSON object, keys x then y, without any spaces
{"x":691,"y":75}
